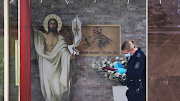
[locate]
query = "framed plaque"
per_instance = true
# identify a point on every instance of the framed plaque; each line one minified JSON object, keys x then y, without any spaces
{"x":97,"y":40}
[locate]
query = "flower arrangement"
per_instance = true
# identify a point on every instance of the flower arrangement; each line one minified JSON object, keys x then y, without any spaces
{"x":113,"y":70}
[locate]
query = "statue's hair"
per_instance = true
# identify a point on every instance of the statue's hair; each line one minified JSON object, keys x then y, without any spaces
{"x":128,"y":45}
{"x":56,"y":32}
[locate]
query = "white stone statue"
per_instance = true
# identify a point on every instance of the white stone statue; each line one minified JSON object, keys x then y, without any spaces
{"x":55,"y":61}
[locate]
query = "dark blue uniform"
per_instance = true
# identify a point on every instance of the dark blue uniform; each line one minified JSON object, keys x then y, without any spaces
{"x":136,"y":76}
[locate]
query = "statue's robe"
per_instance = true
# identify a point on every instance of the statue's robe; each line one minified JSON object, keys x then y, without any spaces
{"x":55,"y":67}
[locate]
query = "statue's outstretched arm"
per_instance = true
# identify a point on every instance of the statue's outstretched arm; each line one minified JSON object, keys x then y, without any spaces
{"x":33,"y":52}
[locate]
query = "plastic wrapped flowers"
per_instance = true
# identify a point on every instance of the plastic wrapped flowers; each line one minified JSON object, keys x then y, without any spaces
{"x":113,"y":70}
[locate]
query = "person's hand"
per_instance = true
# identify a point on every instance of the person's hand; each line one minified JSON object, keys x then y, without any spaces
{"x":125,"y":67}
{"x":72,"y":56}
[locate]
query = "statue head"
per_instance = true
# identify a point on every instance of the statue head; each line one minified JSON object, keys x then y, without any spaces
{"x":52,"y":26}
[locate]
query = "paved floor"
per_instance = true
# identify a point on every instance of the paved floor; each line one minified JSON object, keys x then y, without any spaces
{"x":119,"y":93}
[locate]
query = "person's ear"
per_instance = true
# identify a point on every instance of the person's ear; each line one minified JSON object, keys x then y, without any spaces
{"x":132,"y":42}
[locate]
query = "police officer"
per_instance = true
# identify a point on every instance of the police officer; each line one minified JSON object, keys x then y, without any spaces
{"x":135,"y":75}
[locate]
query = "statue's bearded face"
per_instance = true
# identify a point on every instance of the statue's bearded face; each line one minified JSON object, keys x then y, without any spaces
{"x":52,"y":26}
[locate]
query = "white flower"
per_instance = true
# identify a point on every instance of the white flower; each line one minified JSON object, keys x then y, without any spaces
{"x":104,"y":65}
{"x":106,"y":75}
{"x":111,"y":65}
{"x":103,"y":62}
{"x":99,"y":69}
{"x":109,"y":71}
{"x":123,"y":75}
{"x":122,"y":62}
{"x":117,"y":74}
{"x":120,"y":59}
{"x":105,"y":59}
{"x":108,"y":62}
{"x":116,"y":58}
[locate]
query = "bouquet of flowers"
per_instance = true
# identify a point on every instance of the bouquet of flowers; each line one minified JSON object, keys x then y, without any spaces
{"x":113,"y":70}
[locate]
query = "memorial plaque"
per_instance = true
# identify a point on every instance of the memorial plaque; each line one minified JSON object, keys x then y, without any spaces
{"x":97,"y":40}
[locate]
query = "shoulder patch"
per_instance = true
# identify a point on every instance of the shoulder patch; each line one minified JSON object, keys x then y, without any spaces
{"x":137,"y":65}
{"x":138,"y":55}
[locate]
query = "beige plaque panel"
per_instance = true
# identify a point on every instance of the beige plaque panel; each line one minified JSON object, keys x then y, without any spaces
{"x":97,"y":40}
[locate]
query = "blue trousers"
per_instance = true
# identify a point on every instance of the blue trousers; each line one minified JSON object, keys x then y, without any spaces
{"x":134,"y":96}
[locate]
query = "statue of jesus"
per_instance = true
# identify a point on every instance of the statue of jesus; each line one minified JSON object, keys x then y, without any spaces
{"x":54,"y":59}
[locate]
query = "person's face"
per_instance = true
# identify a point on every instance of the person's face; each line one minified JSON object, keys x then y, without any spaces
{"x":128,"y":51}
{"x":52,"y":25}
